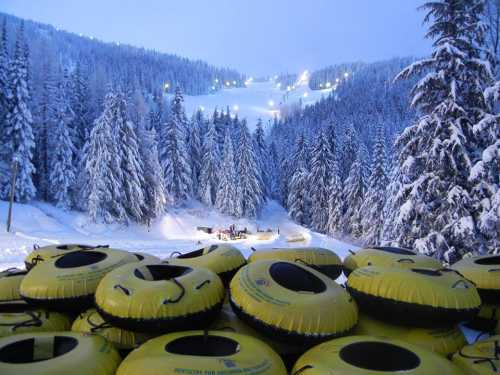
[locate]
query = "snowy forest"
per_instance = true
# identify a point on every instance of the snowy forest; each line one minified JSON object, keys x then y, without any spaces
{"x":402,"y":152}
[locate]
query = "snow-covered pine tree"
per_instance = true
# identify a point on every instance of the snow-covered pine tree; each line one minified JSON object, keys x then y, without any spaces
{"x":354,"y":194}
{"x":209,"y":167}
{"x":80,"y":103}
{"x":348,"y":151}
{"x":174,"y":153}
{"x":319,"y":182}
{"x":227,"y":193}
{"x":196,"y":149}
{"x":102,"y":169}
{"x":374,"y":201}
{"x":18,"y":133}
{"x":262,"y":155}
{"x":436,"y":209}
{"x":61,"y":171}
{"x":298,"y":201}
{"x":154,"y":188}
{"x":250,"y":193}
{"x":132,"y":169}
{"x":336,"y":202}
{"x":4,"y":77}
{"x":274,"y":172}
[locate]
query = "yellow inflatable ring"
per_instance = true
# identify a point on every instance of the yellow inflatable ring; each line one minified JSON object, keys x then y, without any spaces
{"x":444,"y":340}
{"x":57,"y":353}
{"x":160,"y":297}
{"x":10,"y":281}
{"x":388,"y":257}
{"x":416,"y":297}
{"x":32,"y":321}
{"x":43,"y":253}
{"x":91,"y":321}
{"x":291,"y":302}
{"x":367,"y":355}
{"x":322,"y":260}
{"x":486,"y":320}
{"x":69,"y":282}
{"x":224,"y":260}
{"x":203,"y":352}
{"x":481,"y":358}
{"x":146,"y":258}
{"x":484,"y":271}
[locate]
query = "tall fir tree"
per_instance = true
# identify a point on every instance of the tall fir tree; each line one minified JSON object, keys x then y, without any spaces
{"x":262,"y":156}
{"x":61,"y":167}
{"x":319,"y":182}
{"x":18,"y":133}
{"x":298,"y":201}
{"x":274,"y":172}
{"x":4,"y":77}
{"x":80,"y":103}
{"x":174,"y":153}
{"x":435,"y":203}
{"x":249,"y":186}
{"x":336,"y":197}
{"x":196,"y":149}
{"x":227,"y":193}
{"x":374,"y":201}
{"x":209,"y":167}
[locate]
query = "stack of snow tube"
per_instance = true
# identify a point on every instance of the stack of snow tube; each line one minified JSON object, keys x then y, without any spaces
{"x":224,"y":260}
{"x":10,"y":297}
{"x":480,"y":358}
{"x":427,"y":304}
{"x":388,"y":257}
{"x":484,"y":272}
{"x":322,"y":260}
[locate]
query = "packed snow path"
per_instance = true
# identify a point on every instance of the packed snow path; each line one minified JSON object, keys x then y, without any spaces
{"x":43,"y":224}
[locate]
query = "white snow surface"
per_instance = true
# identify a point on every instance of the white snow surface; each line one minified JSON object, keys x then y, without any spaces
{"x":253,"y":102}
{"x":43,"y":224}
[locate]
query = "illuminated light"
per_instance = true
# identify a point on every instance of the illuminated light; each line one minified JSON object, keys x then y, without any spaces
{"x":288,"y":88}
{"x":117,"y":43}
{"x":80,"y":34}
{"x":346,"y":74}
{"x":271,"y":103}
{"x":276,"y":77}
{"x":236,"y":107}
{"x":278,"y":85}
{"x":91,"y":38}
{"x":213,"y":87}
{"x":337,"y":80}
{"x":228,"y":83}
{"x":216,"y":80}
{"x":201,"y":108}
{"x":328,"y":84}
{"x":166,"y":85}
{"x":234,"y":82}
{"x":306,"y":94}
{"x":321,"y":85}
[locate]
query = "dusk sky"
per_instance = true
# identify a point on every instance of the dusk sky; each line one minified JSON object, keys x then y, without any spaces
{"x":254,"y":36}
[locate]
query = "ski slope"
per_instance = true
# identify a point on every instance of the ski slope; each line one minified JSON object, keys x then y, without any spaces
{"x":43,"y":224}
{"x":261,"y":100}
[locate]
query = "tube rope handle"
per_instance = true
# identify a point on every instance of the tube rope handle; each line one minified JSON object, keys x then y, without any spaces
{"x":122,"y":288}
{"x":352,"y":252}
{"x":298,"y":260}
{"x":457,"y":272}
{"x":36,"y":246}
{"x":404,"y":260}
{"x":34,"y":321}
{"x":201,"y":285}
{"x":302,"y":369}
{"x":478,"y":359}
{"x":97,"y":327}
{"x":175,"y":300}
{"x":175,"y":252}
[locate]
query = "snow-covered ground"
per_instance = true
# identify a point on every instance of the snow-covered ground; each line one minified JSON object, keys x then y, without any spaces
{"x":258,"y":100}
{"x":43,"y":224}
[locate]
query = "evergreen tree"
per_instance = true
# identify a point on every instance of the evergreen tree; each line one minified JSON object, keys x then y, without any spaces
{"x":298,"y":190}
{"x":354,"y":194}
{"x":18,"y":133}
{"x":274,"y":172}
{"x":209,"y":167}
{"x":61,"y":175}
{"x":249,"y":187}
{"x":132,"y":170}
{"x":262,"y":156}
{"x":102,"y":169}
{"x":80,"y":103}
{"x":154,"y":188}
{"x":372,"y":207}
{"x":336,"y":198}
{"x":4,"y":78}
{"x":348,"y":151}
{"x":227,"y":193}
{"x":319,"y":182}
{"x":174,"y":155}
{"x":436,"y":208}
{"x":196,"y":149}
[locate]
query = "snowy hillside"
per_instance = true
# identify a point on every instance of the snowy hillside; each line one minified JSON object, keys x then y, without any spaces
{"x":43,"y":224}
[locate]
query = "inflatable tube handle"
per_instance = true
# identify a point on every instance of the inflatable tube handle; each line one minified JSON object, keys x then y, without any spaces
{"x":201,"y":285}
{"x":352,"y":252}
{"x":302,"y":369}
{"x":253,"y":249}
{"x":177,"y":299}
{"x":405,"y":260}
{"x":36,"y":246}
{"x":122,"y":288}
{"x":175,"y":253}
{"x":479,"y":359}
{"x":34,"y":321}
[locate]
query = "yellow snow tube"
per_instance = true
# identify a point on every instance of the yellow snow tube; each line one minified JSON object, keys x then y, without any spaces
{"x":487,"y":318}
{"x":57,"y":353}
{"x":69,"y":282}
{"x":41,"y":254}
{"x":367,"y":355}
{"x":484,"y":271}
{"x":32,"y":321}
{"x":160,"y":297}
{"x":444,"y":341}
{"x":291,"y":302}
{"x":203,"y":352}
{"x":388,"y":257}
{"x":323,"y":260}
{"x":10,"y":281}
{"x":224,"y":260}
{"x":481,"y":358}
{"x":416,"y":297}
{"x":91,"y":321}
